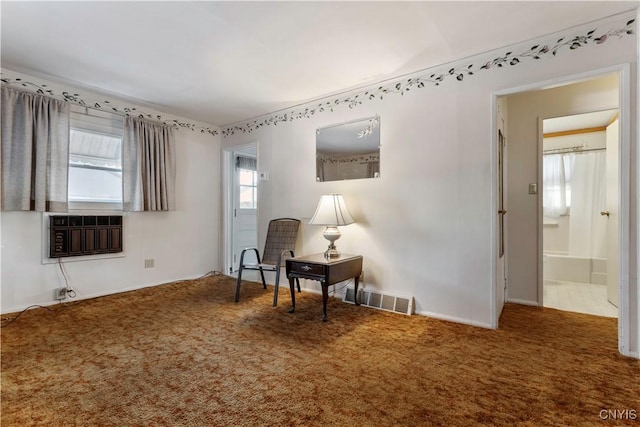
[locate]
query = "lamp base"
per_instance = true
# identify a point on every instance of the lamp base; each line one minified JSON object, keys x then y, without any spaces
{"x":331,"y":233}
{"x":331,"y":253}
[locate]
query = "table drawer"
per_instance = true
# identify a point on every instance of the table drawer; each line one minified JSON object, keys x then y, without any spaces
{"x":305,"y":268}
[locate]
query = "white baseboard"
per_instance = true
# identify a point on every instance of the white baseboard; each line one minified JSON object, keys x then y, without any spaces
{"x":454,"y":319}
{"x":631,"y":354}
{"x":523,"y":302}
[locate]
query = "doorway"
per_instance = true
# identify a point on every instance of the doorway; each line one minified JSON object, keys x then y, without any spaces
{"x":526,"y":108}
{"x":241,"y":204}
{"x":580,"y":212}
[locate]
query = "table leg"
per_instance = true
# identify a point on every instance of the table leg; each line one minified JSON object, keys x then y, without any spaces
{"x":356,"y":281}
{"x":293,"y":295}
{"x":325,"y":298}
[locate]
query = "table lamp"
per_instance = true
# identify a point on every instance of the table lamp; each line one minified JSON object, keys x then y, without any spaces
{"x":332,"y":212}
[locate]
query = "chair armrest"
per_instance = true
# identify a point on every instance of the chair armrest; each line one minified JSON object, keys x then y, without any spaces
{"x":249,"y":249}
{"x":281,"y":256}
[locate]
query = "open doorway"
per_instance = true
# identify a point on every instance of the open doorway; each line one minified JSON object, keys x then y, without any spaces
{"x":241,"y":203}
{"x":580,"y":212}
{"x":525,"y":110}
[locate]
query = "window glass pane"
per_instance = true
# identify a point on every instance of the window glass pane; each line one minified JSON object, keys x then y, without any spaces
{"x":94,"y":185}
{"x":247,"y":177}
{"x":95,"y":167}
{"x":93,"y":149}
{"x":247,"y":197}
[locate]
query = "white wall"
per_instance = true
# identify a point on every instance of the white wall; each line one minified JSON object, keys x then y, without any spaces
{"x":184,"y":243}
{"x":426,"y":227}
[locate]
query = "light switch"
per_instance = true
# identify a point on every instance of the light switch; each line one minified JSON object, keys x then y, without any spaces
{"x":263,"y":176}
{"x":533,"y":188}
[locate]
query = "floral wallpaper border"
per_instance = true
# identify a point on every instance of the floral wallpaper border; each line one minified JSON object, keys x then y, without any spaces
{"x":365,"y":158}
{"x":456,"y":73}
{"x":103,"y":105}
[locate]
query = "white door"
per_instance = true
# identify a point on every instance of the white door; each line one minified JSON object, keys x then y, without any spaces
{"x":245,"y":209}
{"x":613,"y":200}
{"x":244,"y":233}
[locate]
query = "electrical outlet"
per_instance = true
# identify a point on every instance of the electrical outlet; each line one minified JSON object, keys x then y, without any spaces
{"x":149,"y":263}
{"x":60,"y":293}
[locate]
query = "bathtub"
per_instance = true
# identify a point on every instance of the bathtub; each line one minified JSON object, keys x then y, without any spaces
{"x":559,"y":266}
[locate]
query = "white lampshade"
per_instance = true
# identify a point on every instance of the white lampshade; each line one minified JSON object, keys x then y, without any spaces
{"x":332,"y":210}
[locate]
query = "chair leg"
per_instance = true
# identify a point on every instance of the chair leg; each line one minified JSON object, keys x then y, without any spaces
{"x":264,"y":283}
{"x":275,"y":292}
{"x":298,"y":282}
{"x":238,"y":284}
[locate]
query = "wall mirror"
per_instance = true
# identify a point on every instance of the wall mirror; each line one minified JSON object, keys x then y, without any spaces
{"x":349,"y":150}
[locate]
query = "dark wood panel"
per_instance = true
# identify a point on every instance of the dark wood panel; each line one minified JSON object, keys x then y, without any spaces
{"x":307,"y":268}
{"x":75,"y":241}
{"x":76,"y":235}
{"x":344,"y":270}
{"x":103,"y":239}
{"x":116,"y":239}
{"x":89,"y":239}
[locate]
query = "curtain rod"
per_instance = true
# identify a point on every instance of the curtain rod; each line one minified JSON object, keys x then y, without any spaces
{"x":576,"y":149}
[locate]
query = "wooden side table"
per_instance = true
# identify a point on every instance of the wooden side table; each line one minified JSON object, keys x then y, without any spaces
{"x":328,"y":271}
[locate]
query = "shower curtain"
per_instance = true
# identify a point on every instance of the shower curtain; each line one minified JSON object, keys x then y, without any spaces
{"x":575,"y":184}
{"x":588,"y":199}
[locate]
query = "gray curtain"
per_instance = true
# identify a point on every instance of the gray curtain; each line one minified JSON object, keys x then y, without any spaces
{"x":248,"y":163}
{"x":35,"y":152}
{"x":148,"y":166}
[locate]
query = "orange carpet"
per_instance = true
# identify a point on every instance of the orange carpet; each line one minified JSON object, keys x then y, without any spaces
{"x":184,"y":354}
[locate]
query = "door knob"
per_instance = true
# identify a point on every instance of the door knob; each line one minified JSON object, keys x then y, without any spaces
{"x":603,"y":213}
{"x":502,"y":212}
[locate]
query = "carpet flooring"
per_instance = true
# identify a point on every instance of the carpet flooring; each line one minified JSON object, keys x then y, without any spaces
{"x":184,"y":354}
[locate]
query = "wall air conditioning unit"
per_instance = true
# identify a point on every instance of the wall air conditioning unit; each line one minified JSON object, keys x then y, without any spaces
{"x":79,"y":235}
{"x":380,"y":300}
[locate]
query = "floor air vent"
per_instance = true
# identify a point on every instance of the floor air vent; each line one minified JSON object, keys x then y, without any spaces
{"x":381,"y":300}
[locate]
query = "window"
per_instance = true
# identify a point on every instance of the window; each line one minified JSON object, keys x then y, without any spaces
{"x":557,"y":171}
{"x":95,"y":159}
{"x":248,"y":189}
{"x":95,"y":168}
{"x":248,"y":182}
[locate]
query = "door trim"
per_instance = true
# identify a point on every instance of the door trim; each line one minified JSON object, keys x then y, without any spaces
{"x":498,"y":279}
{"x":624,"y":91}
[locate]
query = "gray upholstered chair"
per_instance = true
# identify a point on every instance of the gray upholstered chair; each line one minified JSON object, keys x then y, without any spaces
{"x":279,"y":245}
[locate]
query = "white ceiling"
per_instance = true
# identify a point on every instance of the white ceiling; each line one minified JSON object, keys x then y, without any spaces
{"x":224,"y":62}
{"x":579,"y":121}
